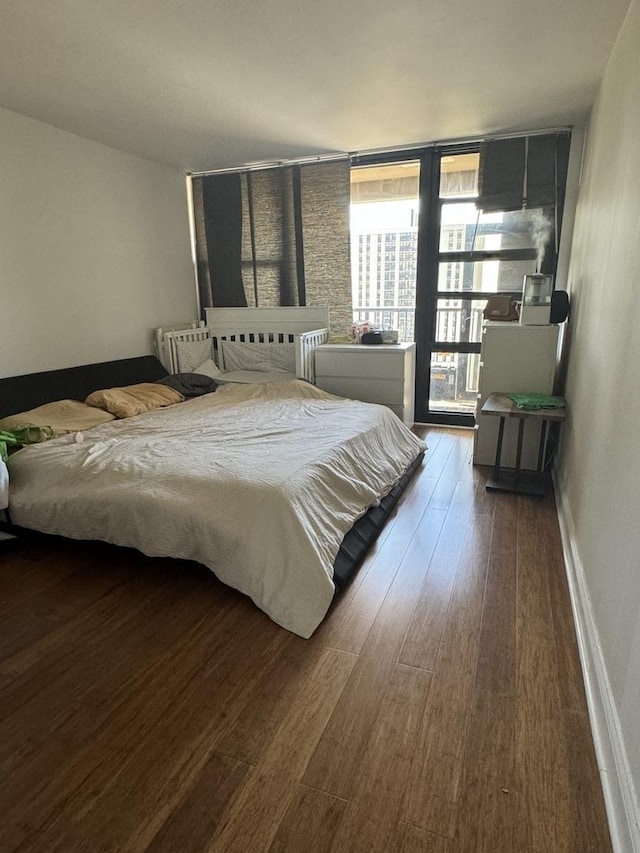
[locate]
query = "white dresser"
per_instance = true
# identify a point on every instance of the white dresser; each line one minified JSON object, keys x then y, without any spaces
{"x":383,"y":373}
{"x":513,"y":359}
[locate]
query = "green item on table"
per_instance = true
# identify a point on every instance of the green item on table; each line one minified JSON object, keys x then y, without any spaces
{"x":537,"y":401}
{"x":19,"y":436}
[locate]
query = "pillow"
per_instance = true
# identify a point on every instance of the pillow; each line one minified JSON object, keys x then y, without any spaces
{"x":63,"y":416}
{"x":267,"y":357}
{"x":134,"y":399}
{"x":192,"y":353}
{"x":190,"y":384}
{"x":208,"y":368}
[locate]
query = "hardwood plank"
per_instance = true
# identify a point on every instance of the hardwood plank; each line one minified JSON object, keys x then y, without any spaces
{"x":82,"y":582}
{"x":449,"y":479}
{"x":30,"y":568}
{"x":4,"y":680}
{"x":553,"y":751}
{"x":21,"y":630}
{"x":422,"y":639}
{"x":310,"y":823}
{"x":372,"y":813}
{"x":109,"y":662}
{"x":263,"y":800}
{"x":488,"y":795}
{"x":106,"y":610}
{"x":126,"y":731}
{"x":541,"y":753}
{"x":587,"y":828}
{"x":538,"y":674}
{"x":496,"y":670}
{"x":351,"y":631}
{"x":193,"y":823}
{"x":468,"y":473}
{"x":543,"y":805}
{"x":410,"y":839}
{"x":334,"y":765}
{"x":431,"y":800}
{"x":247,"y":735}
{"x":488,"y":801}
{"x":152,"y":778}
{"x":571,"y":684}
{"x":437,"y":458}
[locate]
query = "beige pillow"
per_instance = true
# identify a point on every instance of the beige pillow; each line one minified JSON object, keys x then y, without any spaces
{"x":63,"y":416}
{"x":134,"y":399}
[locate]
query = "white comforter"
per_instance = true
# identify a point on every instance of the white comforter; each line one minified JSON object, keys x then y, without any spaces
{"x":258,"y":482}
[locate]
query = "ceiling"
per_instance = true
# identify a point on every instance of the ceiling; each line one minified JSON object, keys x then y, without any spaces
{"x":204,"y":84}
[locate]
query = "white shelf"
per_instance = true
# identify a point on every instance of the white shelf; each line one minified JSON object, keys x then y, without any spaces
{"x":514,"y":359}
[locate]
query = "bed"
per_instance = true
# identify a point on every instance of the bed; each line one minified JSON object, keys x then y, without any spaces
{"x":311,"y":475}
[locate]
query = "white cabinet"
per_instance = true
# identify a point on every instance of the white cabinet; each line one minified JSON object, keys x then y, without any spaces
{"x":513,"y":359}
{"x":382,"y":373}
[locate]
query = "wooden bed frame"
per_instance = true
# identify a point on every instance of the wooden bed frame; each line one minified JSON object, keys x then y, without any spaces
{"x":21,"y":393}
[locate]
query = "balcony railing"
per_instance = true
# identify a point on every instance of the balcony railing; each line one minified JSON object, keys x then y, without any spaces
{"x":402,"y":319}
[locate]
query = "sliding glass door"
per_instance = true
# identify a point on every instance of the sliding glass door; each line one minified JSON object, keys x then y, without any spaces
{"x":425,"y":258}
{"x":466,"y":257}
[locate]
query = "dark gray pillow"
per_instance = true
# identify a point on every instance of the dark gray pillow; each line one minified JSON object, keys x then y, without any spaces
{"x":190,"y":384}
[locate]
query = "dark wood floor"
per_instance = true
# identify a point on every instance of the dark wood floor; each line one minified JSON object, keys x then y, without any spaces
{"x":439,"y":708}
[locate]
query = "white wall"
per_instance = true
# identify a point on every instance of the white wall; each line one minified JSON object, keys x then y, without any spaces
{"x":94,"y":249}
{"x":599,"y":471}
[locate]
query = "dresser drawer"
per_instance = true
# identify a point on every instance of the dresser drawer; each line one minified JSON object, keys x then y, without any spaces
{"x":368,"y":362}
{"x":387,"y":392}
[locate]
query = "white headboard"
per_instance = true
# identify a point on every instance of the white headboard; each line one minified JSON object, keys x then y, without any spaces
{"x":289,"y":319}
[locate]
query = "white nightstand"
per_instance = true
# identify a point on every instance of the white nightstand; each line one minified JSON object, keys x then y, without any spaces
{"x":382,"y":373}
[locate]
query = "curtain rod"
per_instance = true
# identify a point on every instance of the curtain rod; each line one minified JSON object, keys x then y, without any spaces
{"x":352,"y":155}
{"x":275,"y":164}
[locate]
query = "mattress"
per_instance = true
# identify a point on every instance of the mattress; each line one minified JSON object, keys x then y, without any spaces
{"x":258,"y":482}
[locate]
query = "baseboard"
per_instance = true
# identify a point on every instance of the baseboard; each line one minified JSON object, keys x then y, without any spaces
{"x":623,"y":809}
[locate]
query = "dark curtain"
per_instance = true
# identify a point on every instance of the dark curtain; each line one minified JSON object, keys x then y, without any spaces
{"x":527,"y":171}
{"x":274,"y":237}
{"x":222,"y":208}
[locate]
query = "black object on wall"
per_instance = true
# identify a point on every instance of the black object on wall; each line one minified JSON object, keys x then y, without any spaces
{"x":559,"y":306}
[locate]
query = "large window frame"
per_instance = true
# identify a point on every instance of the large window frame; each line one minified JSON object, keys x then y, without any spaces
{"x":429,"y":258}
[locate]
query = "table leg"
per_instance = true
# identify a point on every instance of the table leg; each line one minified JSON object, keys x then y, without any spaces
{"x":519,"y":450}
{"x":496,"y":467}
{"x":543,"y":438}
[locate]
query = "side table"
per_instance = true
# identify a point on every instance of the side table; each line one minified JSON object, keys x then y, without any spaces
{"x":516,"y":480}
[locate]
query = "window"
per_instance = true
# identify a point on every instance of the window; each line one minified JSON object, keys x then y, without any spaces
{"x":384,"y":208}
